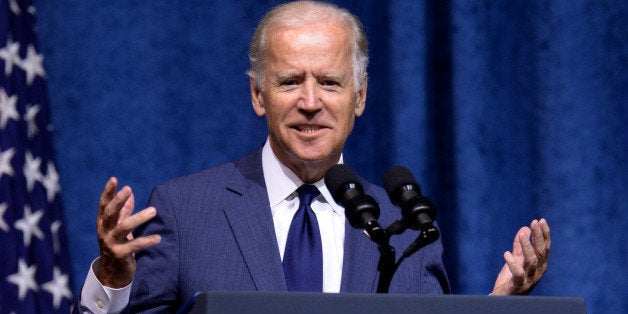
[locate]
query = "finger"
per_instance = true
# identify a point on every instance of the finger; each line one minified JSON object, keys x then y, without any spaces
{"x":126,"y":250}
{"x":126,"y":225}
{"x":540,"y":240}
{"x":537,"y":237}
{"x":515,"y":268}
{"x":112,"y":209}
{"x":546,"y":232}
{"x":517,"y":249}
{"x":530,"y":260}
{"x":127,"y":208}
{"x":145,"y":242}
{"x":517,"y":271}
{"x":107,"y":194}
{"x":543,"y":258}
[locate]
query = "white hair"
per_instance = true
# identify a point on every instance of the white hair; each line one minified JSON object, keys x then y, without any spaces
{"x":303,"y":12}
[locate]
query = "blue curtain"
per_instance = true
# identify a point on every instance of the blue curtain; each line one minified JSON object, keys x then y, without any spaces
{"x":504,"y":110}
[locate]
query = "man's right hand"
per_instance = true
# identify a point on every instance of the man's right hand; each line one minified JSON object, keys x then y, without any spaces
{"x":116,"y":266}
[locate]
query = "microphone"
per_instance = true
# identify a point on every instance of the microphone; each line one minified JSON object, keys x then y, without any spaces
{"x":417,"y":211}
{"x":361,"y":209}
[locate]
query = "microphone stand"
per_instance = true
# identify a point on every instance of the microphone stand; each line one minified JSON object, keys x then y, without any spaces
{"x":387,"y":266}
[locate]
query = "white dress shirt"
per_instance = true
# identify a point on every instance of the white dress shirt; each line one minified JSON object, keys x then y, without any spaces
{"x":281,"y":185}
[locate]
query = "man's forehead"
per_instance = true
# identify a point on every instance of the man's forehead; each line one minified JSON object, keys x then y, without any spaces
{"x":280,"y":64}
{"x":322,"y":28}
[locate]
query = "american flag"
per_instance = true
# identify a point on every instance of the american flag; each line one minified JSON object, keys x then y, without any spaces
{"x":34,"y":260}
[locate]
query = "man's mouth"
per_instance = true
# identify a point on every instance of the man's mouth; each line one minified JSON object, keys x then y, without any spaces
{"x":308,"y":128}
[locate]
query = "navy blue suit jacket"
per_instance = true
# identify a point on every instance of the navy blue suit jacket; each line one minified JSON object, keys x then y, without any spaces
{"x":218,"y":234}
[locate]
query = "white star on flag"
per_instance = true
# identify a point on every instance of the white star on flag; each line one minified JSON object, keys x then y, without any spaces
{"x":31,"y":170}
{"x":51,"y":182}
{"x":31,"y":114}
{"x":32,"y":65}
{"x":11,"y":56}
{"x":15,"y":8}
{"x":7,"y":108}
{"x":5,"y":162}
{"x":29,"y":225}
{"x":3,"y":224}
{"x":58,"y":287}
{"x":54,"y":229}
{"x":24,"y":278}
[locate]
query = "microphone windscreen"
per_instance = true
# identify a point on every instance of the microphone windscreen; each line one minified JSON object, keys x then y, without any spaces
{"x":397,"y":177}
{"x":338,"y":177}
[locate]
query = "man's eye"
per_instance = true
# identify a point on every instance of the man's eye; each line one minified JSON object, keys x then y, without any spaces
{"x":289,"y":82}
{"x":330,"y":83}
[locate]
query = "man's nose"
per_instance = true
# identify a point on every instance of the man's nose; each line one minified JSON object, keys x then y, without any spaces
{"x":311,"y":97}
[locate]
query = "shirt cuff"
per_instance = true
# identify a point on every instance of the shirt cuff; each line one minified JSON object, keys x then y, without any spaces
{"x":97,"y":298}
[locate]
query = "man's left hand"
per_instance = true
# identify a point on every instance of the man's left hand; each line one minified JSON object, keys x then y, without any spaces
{"x":527,"y":262}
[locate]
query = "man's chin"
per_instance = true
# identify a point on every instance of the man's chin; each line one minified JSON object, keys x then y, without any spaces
{"x":313,"y":157}
{"x":309,"y":154}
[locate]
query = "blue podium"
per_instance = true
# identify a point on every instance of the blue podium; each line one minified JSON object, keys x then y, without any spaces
{"x":283,"y":302}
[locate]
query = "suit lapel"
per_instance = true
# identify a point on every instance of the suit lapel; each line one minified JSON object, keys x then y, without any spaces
{"x":251,"y":221}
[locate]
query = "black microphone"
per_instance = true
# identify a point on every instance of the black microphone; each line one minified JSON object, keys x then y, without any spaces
{"x":361,"y":209}
{"x":404,"y":191}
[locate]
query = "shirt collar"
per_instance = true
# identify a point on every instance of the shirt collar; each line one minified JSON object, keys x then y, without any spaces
{"x":281,"y":181}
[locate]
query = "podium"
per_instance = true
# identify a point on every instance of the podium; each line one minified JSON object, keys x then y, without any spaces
{"x":327,"y":303}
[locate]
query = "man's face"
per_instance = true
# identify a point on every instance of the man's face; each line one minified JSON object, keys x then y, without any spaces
{"x":309,"y":98}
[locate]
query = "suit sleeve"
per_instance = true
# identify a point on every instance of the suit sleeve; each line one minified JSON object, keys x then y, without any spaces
{"x":155,"y":283}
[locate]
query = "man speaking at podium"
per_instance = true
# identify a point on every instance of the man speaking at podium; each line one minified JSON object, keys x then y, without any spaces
{"x":234,"y":227}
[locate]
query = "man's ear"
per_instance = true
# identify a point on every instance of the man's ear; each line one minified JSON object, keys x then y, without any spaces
{"x":257,"y":97}
{"x":361,"y":98}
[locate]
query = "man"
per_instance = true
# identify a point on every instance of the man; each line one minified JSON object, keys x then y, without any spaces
{"x":226,"y":228}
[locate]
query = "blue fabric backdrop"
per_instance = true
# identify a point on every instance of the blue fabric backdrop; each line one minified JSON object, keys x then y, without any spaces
{"x":504,"y":110}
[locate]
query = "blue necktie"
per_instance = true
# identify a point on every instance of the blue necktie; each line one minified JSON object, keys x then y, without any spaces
{"x":303,"y":256}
